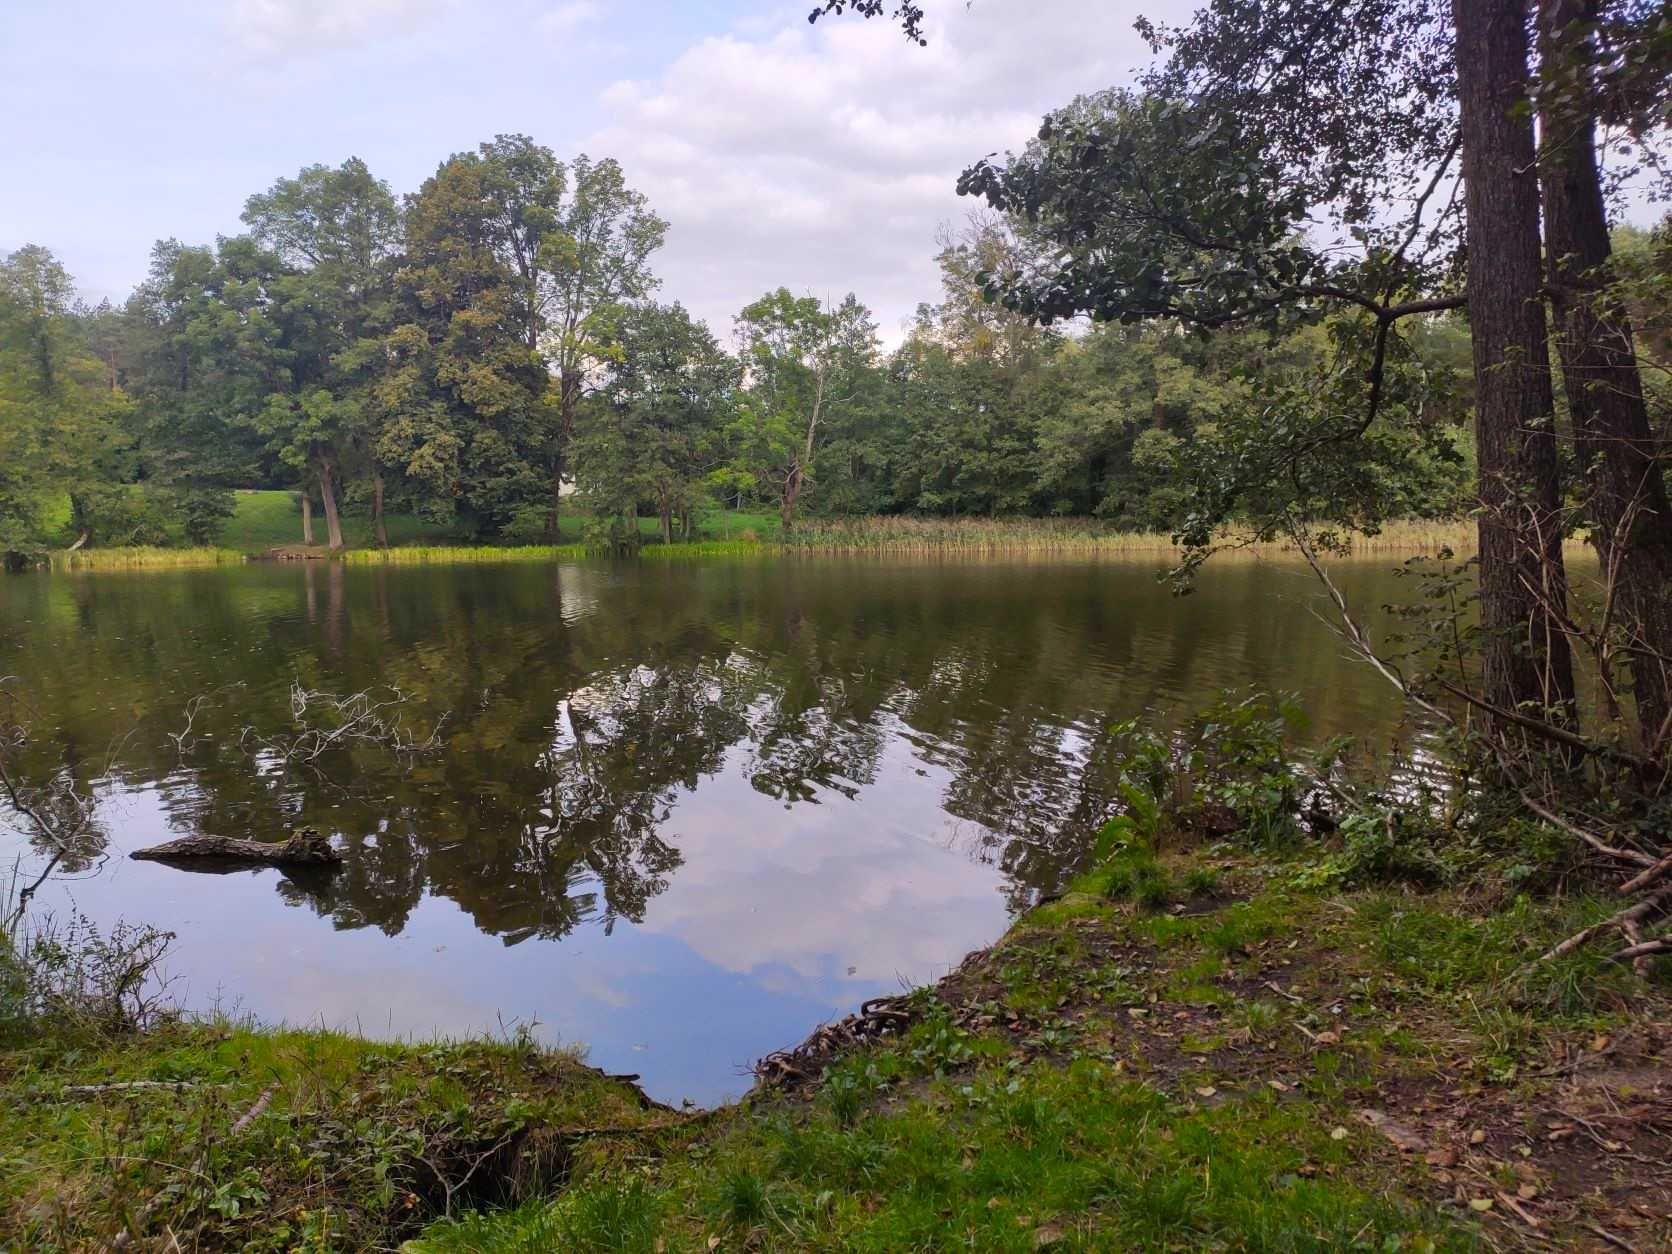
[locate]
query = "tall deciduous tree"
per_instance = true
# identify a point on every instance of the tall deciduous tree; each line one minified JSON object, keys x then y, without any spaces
{"x":1527,"y":660}
{"x":595,"y":263}
{"x":653,"y":435}
{"x":335,"y":231}
{"x":804,"y":361}
{"x":1617,"y":447}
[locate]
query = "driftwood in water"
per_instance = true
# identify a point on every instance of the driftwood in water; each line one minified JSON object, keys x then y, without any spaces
{"x":304,"y":848}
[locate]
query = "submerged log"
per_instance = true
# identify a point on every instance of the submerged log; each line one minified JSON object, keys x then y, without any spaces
{"x":304,"y":848}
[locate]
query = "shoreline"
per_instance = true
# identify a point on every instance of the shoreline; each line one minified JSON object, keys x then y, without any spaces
{"x":1306,"y":1048}
{"x":860,"y":538}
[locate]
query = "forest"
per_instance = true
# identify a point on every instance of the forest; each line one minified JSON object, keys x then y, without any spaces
{"x":484,"y":351}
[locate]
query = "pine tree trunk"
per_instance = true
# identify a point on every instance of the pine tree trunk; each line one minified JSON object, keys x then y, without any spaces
{"x":328,"y":495}
{"x":307,"y":516}
{"x":1631,"y":520}
{"x":378,"y":524}
{"x":1523,"y":584}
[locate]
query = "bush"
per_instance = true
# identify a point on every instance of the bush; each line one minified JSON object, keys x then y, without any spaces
{"x":202,"y":512}
{"x":70,"y":974}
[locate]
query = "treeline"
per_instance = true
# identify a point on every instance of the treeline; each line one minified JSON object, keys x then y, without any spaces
{"x":472,"y":352}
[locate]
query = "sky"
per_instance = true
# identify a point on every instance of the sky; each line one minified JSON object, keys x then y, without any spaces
{"x":822,"y":158}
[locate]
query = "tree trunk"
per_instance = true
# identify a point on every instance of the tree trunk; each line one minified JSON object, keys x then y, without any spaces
{"x":1523,"y":585}
{"x":666,"y":511}
{"x":328,"y":495}
{"x":307,"y":516}
{"x":1631,"y":521}
{"x":792,"y":491}
{"x":552,"y":510}
{"x":568,"y":401}
{"x":378,"y":524}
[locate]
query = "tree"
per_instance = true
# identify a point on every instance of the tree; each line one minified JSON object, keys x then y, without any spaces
{"x":62,"y":427}
{"x":335,"y":232}
{"x":653,"y":433}
{"x":1618,"y":452}
{"x":1523,"y":591}
{"x":803,"y":361}
{"x":596,"y":262}
{"x":465,"y":401}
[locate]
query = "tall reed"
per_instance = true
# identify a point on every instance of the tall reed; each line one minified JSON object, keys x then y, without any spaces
{"x":142,"y":558}
{"x":422,"y":554}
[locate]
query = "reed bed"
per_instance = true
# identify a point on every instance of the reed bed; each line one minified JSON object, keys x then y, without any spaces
{"x":429,"y":554}
{"x":1068,"y":536}
{"x":142,"y":558}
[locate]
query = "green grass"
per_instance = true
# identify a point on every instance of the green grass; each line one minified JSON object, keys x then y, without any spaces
{"x":1113,"y":1074}
{"x":343,"y":1153}
{"x":1117,"y":1075}
{"x":269,"y":519}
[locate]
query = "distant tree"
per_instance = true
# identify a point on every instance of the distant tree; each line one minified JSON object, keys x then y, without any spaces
{"x":335,"y":233}
{"x":595,"y":263}
{"x":465,"y":400}
{"x":62,"y":427}
{"x":803,"y":362}
{"x":653,"y":433}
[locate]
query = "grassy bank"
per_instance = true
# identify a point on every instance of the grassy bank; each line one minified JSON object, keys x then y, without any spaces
{"x":1231,"y":1062}
{"x":221,"y":1136}
{"x":1198,"y":1050}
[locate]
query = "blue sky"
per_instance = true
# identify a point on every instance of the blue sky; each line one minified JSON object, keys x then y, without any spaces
{"x":818,"y":158}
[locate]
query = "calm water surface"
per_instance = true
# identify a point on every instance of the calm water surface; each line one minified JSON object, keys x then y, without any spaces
{"x":682,"y":812}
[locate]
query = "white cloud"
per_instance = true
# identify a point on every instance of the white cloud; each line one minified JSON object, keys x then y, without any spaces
{"x":824,"y":158}
{"x":281,"y":29}
{"x":566,"y":17}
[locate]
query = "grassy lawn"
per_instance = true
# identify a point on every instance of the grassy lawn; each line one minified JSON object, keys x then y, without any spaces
{"x":271,"y":519}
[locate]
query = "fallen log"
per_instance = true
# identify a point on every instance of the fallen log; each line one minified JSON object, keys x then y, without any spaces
{"x":304,"y":848}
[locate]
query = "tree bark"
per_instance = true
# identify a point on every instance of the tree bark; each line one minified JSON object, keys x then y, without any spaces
{"x":1631,"y":520}
{"x":792,"y":492}
{"x":1523,"y":584}
{"x":307,"y":516}
{"x":328,"y":495}
{"x":378,"y":525}
{"x":304,"y":848}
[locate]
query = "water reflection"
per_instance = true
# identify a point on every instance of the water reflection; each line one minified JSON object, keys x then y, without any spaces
{"x":750,"y":793}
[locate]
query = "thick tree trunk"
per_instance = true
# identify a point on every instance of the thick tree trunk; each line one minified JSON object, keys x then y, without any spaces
{"x":378,"y":525}
{"x":307,"y":516}
{"x":666,"y":512}
{"x":1631,"y":520}
{"x":328,"y":495}
{"x":1523,"y":585}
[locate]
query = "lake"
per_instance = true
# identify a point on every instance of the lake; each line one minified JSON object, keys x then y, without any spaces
{"x":679,"y":812}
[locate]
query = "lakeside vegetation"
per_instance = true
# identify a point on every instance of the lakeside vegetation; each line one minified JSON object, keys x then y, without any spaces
{"x":1341,"y":298}
{"x":263,"y":520}
{"x":1248,"y":1025}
